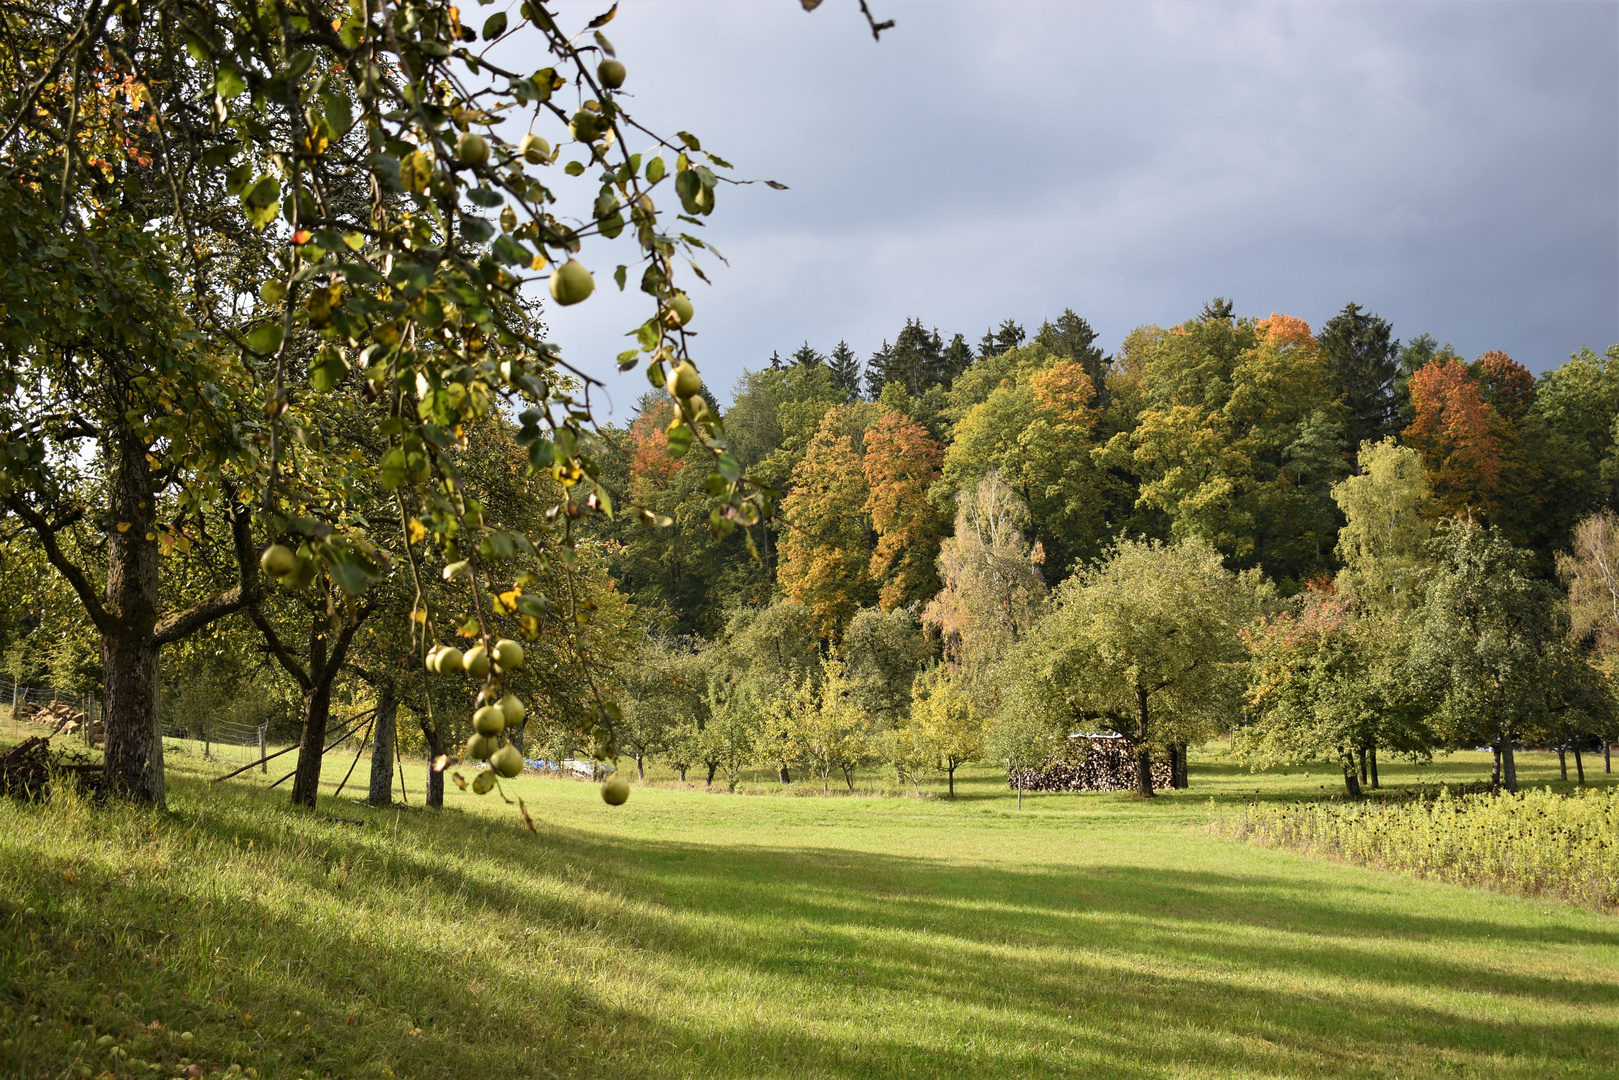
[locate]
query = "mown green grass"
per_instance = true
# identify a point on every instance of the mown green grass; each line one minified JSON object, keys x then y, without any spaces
{"x":690,"y":934}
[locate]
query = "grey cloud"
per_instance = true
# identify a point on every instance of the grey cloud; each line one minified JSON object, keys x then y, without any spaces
{"x":1453,"y":166}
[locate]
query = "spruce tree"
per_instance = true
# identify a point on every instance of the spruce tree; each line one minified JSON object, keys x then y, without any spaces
{"x":1363,"y":358}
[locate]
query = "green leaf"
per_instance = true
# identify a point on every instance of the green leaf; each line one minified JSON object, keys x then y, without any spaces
{"x":679,"y":440}
{"x":603,"y":19}
{"x":339,"y":115}
{"x":510,"y":252}
{"x":655,"y":170}
{"x":485,"y":197}
{"x":476,"y":229}
{"x":261,"y":202}
{"x":574,"y":168}
{"x":229,"y":83}
{"x":494,"y":26}
{"x":618,"y":276}
{"x":266,"y":339}
{"x":689,"y":186}
{"x":690,"y":140}
{"x":299,"y":65}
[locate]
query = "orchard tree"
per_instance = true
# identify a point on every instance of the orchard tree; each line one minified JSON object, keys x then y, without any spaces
{"x":1492,"y":646}
{"x":1591,"y":573}
{"x":1146,"y":641}
{"x":206,"y":207}
{"x":882,"y":654}
{"x":946,"y":724}
{"x":1327,"y":679}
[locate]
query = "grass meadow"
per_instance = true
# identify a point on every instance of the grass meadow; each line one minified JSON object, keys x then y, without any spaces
{"x":698,"y":934}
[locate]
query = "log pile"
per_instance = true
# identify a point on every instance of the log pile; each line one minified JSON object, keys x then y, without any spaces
{"x":26,"y":769}
{"x":1090,"y":763}
{"x":59,"y":716}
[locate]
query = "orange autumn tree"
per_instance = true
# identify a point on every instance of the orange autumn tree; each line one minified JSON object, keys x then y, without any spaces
{"x":826,"y":553}
{"x":651,"y":467}
{"x":1463,"y":439}
{"x":902,"y":462}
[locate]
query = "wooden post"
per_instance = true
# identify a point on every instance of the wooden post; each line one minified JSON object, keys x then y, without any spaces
{"x":264,"y":766}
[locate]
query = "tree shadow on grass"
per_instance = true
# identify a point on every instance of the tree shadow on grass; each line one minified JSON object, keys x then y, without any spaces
{"x":575,"y":954}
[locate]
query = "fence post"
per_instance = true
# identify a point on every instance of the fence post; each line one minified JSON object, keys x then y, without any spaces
{"x":263,"y":765}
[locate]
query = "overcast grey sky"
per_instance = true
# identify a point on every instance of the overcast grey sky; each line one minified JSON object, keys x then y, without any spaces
{"x":1452,"y":166}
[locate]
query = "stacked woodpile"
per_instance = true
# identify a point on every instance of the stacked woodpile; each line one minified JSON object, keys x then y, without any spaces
{"x":1090,"y":763}
{"x":59,"y":716}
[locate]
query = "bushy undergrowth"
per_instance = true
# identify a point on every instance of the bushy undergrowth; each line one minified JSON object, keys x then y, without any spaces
{"x":1533,"y":843}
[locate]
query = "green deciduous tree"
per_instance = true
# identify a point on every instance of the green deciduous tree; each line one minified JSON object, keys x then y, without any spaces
{"x":1146,"y":641}
{"x":1492,"y":646}
{"x":1387,"y":507}
{"x":826,"y":554}
{"x":946,"y":724}
{"x":1228,"y":442}
{"x":1327,"y":679}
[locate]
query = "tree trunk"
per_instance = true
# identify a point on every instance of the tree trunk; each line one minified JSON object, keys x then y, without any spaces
{"x":1174,"y":767}
{"x":134,"y":746}
{"x":1363,"y":776}
{"x":1562,"y":762}
{"x":1351,"y":776}
{"x":1020,"y":791}
{"x":1143,"y":752}
{"x":382,"y":744}
{"x":1374,"y":767}
{"x":1607,"y":757}
{"x":1579,"y":764}
{"x":682,"y":770}
{"x":781,"y":774}
{"x":950,"y":777}
{"x":640,"y":766}
{"x":712,"y":768}
{"x":1509,"y":767}
{"x":312,"y":744}
{"x":129,"y":655}
{"x":1184,"y":780}
{"x":1495,"y":773}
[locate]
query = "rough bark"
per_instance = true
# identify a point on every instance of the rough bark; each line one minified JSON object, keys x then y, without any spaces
{"x":781,"y":774}
{"x":1562,"y":762}
{"x":1509,"y":767}
{"x":1579,"y":764}
{"x":435,"y":749}
{"x":1351,"y":776}
{"x":640,"y":766}
{"x":1374,"y":768}
{"x":950,"y":777}
{"x":312,"y":744}
{"x":712,"y":769}
{"x":383,"y":742}
{"x":1363,"y":776}
{"x":132,"y":630}
{"x":1143,"y":752}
